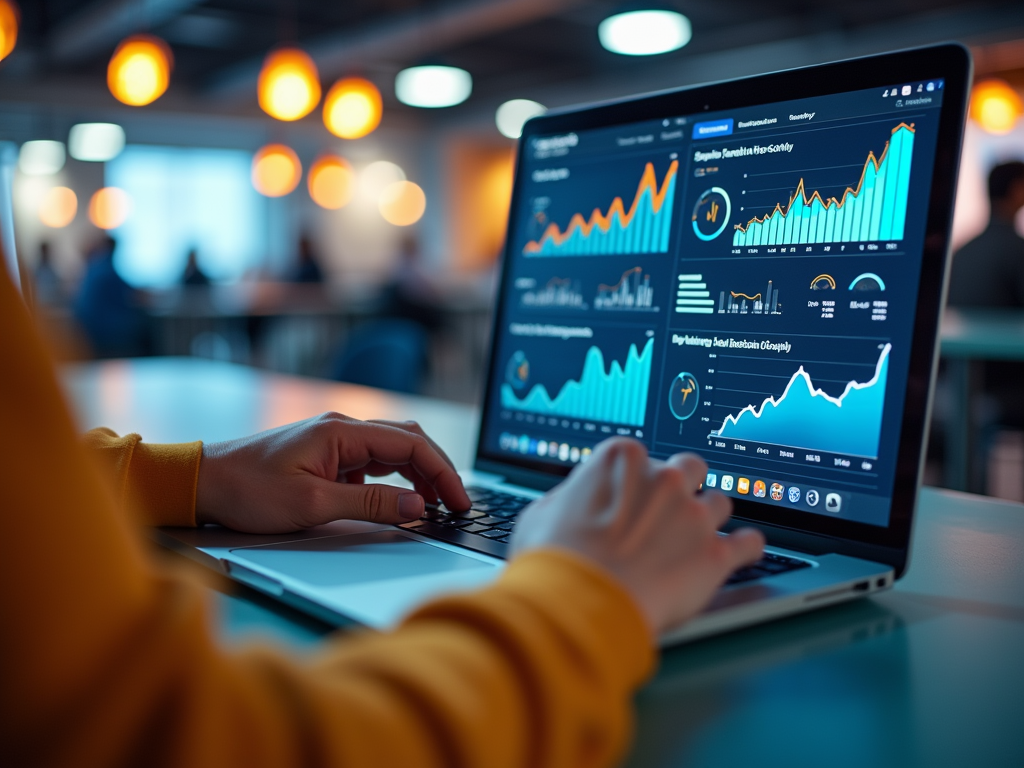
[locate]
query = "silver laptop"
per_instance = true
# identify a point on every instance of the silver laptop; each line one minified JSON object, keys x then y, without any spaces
{"x":753,"y":270}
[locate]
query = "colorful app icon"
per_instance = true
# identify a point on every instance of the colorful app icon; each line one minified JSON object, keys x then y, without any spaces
{"x":759,"y":489}
{"x":794,"y":494}
{"x":743,"y":485}
{"x":711,"y":481}
{"x":727,"y":482}
{"x":833,"y":502}
{"x":777,"y":491}
{"x":812,"y":498}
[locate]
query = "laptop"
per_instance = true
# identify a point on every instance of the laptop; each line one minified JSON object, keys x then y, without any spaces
{"x":753,"y":270}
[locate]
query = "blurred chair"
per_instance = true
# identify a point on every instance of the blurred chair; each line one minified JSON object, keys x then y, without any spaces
{"x":388,"y":354}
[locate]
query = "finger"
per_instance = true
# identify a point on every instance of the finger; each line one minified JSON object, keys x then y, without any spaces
{"x":375,"y":503}
{"x":364,"y":443}
{"x":693,"y":466}
{"x":416,"y":429}
{"x":744,"y":546}
{"x":719,"y":507}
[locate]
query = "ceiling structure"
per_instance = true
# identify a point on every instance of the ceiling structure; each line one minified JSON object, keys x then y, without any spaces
{"x":542,"y":49}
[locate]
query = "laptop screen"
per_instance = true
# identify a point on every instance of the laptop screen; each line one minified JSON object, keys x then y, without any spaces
{"x":742,"y":284}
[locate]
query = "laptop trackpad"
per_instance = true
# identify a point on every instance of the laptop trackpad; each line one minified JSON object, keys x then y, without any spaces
{"x":335,"y":561}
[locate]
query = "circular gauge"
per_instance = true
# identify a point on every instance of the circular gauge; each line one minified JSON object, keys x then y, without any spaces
{"x":711,"y":213}
{"x":517,"y":372}
{"x":868,"y":281}
{"x":823,"y":283}
{"x":683,"y":396}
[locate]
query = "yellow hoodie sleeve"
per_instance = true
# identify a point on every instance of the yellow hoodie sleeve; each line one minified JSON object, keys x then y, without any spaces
{"x":107,"y":659}
{"x":157,"y":482}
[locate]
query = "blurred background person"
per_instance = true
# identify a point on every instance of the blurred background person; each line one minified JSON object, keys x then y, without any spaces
{"x":49,"y":288}
{"x":193,"y":274}
{"x":989,"y":270}
{"x":307,"y":269}
{"x":109,"y":310}
{"x":410,"y":292}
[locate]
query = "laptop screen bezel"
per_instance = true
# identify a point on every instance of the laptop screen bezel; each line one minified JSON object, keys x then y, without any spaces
{"x":951,"y":62}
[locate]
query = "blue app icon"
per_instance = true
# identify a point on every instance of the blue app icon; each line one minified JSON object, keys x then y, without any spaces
{"x":711,"y":481}
{"x":794,"y":494}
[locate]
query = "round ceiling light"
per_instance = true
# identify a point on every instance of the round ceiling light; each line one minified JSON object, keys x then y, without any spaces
{"x":41,"y":158}
{"x":433,"y":86}
{"x":95,"y":142}
{"x":375,"y":177}
{"x":109,"y":207}
{"x":331,"y":182}
{"x":402,"y":203}
{"x":8,"y":27}
{"x":353,"y":108}
{"x":140,"y":70}
{"x":995,"y":106}
{"x":58,"y":207}
{"x":644,"y":33}
{"x":512,"y":116}
{"x":276,"y":170}
{"x":289,"y":85}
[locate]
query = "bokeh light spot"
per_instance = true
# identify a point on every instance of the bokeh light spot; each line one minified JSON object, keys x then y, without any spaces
{"x":276,"y":170}
{"x":402,"y":203}
{"x":140,"y":70}
{"x":331,"y":182}
{"x":58,"y":207}
{"x":353,"y":108}
{"x":289,"y":85}
{"x":109,"y":207}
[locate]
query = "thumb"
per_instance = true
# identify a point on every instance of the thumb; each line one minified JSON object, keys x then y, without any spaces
{"x":744,"y":546}
{"x":373,"y":502}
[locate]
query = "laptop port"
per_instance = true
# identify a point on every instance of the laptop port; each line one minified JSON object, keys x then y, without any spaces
{"x":862,"y":586}
{"x":880,"y":583}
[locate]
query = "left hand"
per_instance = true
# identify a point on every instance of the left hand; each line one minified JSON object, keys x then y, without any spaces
{"x":313,"y":472}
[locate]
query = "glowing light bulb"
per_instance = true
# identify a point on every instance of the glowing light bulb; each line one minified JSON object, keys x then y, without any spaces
{"x":140,"y":70}
{"x":353,"y":108}
{"x":9,"y":17}
{"x":109,"y":207}
{"x":512,"y":116}
{"x":331,"y":182}
{"x":41,"y":157}
{"x":644,"y":33}
{"x":289,"y":85}
{"x":402,"y":203}
{"x":433,"y":86}
{"x":276,"y":170}
{"x":58,"y":207}
{"x":995,"y":106}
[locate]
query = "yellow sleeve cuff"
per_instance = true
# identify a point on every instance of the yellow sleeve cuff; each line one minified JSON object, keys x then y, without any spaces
{"x":157,"y":482}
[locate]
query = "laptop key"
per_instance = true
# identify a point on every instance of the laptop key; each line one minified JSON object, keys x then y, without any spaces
{"x":475,"y":528}
{"x":489,"y":521}
{"x":494,"y":534}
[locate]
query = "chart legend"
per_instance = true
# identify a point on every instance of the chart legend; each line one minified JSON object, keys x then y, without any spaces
{"x":616,"y":394}
{"x":876,"y":209}
{"x":644,"y":228}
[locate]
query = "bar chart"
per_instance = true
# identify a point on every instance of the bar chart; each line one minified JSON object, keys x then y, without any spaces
{"x":875,"y":209}
{"x":763,"y":303}
{"x":633,"y":292}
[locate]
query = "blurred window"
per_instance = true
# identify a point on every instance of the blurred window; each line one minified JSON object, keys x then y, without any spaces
{"x":183,"y":199}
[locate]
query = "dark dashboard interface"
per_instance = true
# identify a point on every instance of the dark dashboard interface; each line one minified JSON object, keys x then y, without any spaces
{"x":739,"y":284}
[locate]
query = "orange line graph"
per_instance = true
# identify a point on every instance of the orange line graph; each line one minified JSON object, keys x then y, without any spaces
{"x":603,"y":221}
{"x":625,"y":276}
{"x":735,"y":295}
{"x":801,"y":190}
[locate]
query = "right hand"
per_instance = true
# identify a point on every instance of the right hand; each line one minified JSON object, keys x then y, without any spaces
{"x":642,"y":521}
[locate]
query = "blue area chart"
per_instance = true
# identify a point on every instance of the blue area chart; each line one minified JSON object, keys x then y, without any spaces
{"x":806,"y":417}
{"x":617,"y":395}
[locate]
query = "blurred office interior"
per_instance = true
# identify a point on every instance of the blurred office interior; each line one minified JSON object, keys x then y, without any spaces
{"x":321,"y":188}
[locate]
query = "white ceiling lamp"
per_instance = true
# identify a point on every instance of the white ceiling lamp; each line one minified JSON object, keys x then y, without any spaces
{"x":433,"y":86}
{"x":41,"y":158}
{"x":96,"y":142}
{"x":644,"y":33}
{"x":376,"y":177}
{"x":512,"y":116}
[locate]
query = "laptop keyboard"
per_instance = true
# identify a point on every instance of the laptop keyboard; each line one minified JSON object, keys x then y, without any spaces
{"x":487,"y":526}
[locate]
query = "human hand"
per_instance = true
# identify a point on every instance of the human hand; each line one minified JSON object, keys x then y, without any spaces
{"x":313,"y":472}
{"x":643,"y":522}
